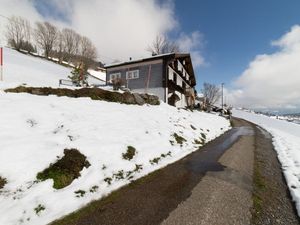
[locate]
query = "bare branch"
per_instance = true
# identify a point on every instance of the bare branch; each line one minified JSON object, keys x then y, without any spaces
{"x":211,"y":93}
{"x":18,"y":32}
{"x":162,"y":45}
{"x":45,"y":35}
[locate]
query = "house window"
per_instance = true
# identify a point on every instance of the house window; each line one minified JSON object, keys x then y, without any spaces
{"x":115,"y":76}
{"x":134,"y":74}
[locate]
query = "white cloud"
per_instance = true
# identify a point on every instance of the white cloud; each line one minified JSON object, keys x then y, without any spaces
{"x":23,"y":8}
{"x":192,"y":43}
{"x":119,"y":29}
{"x":272,"y":81}
{"x":123,"y":29}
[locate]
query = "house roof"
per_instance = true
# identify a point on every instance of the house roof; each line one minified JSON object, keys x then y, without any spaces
{"x":186,"y":56}
{"x":138,"y":60}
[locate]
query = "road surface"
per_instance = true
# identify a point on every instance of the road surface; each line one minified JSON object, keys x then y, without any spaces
{"x":213,"y":185}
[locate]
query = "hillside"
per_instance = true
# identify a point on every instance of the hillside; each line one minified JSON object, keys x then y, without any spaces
{"x":33,"y":71}
{"x":115,"y":144}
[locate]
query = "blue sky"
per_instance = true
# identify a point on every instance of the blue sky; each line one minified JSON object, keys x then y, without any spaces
{"x":235,"y":31}
{"x":233,"y":37}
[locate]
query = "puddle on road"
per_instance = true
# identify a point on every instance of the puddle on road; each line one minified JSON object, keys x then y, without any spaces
{"x":207,"y":159}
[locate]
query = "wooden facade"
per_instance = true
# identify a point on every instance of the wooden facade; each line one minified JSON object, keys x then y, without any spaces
{"x":169,"y":76}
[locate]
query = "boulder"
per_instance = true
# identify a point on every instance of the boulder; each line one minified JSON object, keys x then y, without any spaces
{"x":128,"y":98}
{"x":138,"y":99}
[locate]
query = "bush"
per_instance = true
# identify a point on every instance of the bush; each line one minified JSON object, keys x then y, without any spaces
{"x":117,"y":83}
{"x":78,"y":76}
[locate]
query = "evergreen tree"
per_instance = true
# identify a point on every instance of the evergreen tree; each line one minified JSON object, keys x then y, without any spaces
{"x":78,"y":76}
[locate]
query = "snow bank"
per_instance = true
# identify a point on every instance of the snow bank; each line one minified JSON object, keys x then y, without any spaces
{"x":36,"y":129}
{"x":286,"y":140}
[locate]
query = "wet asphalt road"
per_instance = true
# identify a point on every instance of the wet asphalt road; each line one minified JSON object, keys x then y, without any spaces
{"x":210,"y":186}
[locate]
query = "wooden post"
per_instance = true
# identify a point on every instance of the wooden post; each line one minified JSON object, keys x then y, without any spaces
{"x":1,"y":64}
{"x":148,"y":80}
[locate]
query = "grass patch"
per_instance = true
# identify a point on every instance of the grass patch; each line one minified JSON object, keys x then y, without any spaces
{"x":129,"y":154}
{"x":66,"y":169}
{"x":258,"y":191}
{"x":79,"y":193}
{"x":194,"y":128}
{"x":155,"y":160}
{"x":108,"y":180}
{"x":119,"y":175}
{"x":179,"y":139}
{"x":39,"y":209}
{"x":3,"y":181}
{"x":199,"y":141}
{"x":165,"y":155}
{"x":96,"y":205}
{"x":94,"y":189}
{"x":203,"y":136}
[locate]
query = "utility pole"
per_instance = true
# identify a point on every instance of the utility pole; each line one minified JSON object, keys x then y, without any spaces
{"x":1,"y":64}
{"x":222,"y":98}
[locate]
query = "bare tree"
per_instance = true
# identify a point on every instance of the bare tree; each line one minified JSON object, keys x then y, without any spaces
{"x":211,"y":94}
{"x":18,"y":32}
{"x":45,"y":35}
{"x":77,"y":40}
{"x":60,"y":47}
{"x":162,"y":45}
{"x":87,"y":51}
{"x":70,"y":41}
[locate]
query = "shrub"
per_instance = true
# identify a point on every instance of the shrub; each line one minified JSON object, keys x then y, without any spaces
{"x":117,"y":83}
{"x":79,"y":76}
{"x":130,"y":153}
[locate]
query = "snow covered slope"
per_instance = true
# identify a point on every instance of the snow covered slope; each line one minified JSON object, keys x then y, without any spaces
{"x":35,"y":130}
{"x":25,"y":69}
{"x":286,"y":140}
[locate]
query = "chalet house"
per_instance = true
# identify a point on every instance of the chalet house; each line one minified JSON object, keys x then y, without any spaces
{"x":169,"y":76}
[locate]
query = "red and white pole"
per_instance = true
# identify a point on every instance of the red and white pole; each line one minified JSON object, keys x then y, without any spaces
{"x":1,"y":64}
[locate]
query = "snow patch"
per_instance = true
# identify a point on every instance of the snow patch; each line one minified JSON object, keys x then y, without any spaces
{"x":286,"y":141}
